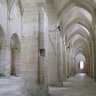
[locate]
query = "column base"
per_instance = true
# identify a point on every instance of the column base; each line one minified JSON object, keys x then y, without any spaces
{"x":32,"y":87}
{"x":56,"y":84}
{"x":64,"y":78}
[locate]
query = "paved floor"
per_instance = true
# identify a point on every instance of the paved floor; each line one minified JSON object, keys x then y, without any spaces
{"x":80,"y":85}
{"x":11,"y":87}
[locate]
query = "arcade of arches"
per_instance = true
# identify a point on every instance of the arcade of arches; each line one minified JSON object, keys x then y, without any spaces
{"x":45,"y":44}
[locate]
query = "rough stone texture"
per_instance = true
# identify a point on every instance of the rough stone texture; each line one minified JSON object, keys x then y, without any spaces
{"x":43,"y":41}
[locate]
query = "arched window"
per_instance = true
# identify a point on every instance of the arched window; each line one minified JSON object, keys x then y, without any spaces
{"x":81,"y":65}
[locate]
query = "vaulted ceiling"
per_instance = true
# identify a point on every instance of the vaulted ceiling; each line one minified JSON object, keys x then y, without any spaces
{"x":78,"y":19}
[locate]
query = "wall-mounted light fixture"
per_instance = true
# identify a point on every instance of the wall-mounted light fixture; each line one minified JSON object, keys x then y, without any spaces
{"x":54,"y":29}
{"x":59,"y":28}
{"x":42,"y":52}
{"x":68,"y":47}
{"x":16,"y":49}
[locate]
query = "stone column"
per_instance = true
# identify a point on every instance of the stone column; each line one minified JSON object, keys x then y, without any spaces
{"x":59,"y":60}
{"x":67,"y":60}
{"x":74,"y":66}
{"x":43,"y":47}
{"x":64,"y":62}
{"x":7,"y":44}
{"x":62,"y":73}
{"x":94,"y":54}
{"x":53,"y":64}
{"x":35,"y":25}
{"x":94,"y":47}
{"x":91,"y":62}
{"x":70,"y":63}
{"x":87,"y":67}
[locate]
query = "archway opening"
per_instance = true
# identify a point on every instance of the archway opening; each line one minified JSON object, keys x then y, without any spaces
{"x":81,"y":65}
{"x":2,"y":52}
{"x":15,"y":55}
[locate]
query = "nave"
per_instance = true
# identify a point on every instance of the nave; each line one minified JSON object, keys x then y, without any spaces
{"x":44,"y":43}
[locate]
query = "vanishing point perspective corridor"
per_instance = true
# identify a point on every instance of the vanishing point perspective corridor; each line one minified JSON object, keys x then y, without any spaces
{"x":80,"y":85}
{"x":47,"y":47}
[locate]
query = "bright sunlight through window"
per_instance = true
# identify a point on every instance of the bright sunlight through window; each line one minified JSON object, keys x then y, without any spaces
{"x":81,"y":65}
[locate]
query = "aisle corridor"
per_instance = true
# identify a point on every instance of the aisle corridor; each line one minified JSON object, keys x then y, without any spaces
{"x":80,"y":85}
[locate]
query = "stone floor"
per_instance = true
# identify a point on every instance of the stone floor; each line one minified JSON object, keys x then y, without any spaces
{"x":11,"y":86}
{"x":80,"y":85}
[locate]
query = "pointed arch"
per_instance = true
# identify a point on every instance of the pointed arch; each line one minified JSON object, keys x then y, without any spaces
{"x":2,"y":50}
{"x":15,"y":48}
